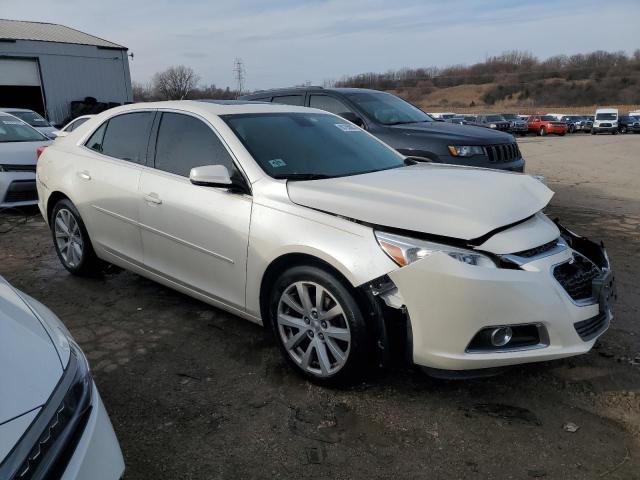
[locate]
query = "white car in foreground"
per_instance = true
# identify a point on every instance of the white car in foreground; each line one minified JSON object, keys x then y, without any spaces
{"x":19,"y":144}
{"x":297,"y":219}
{"x":53,"y":424}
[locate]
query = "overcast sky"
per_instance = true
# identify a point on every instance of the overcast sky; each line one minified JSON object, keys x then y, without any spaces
{"x":288,"y":42}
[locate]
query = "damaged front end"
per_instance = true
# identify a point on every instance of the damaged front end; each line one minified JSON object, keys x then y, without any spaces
{"x":551,"y":301}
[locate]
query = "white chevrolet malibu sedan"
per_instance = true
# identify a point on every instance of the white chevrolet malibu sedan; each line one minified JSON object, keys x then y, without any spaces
{"x":298,"y":220}
{"x":52,"y":421}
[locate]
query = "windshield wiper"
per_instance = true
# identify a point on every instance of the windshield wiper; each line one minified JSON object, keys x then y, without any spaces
{"x":403,"y":123}
{"x":302,"y":176}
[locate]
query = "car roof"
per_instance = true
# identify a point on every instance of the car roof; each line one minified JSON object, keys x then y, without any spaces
{"x":313,"y":89}
{"x":7,"y":109}
{"x":215,"y":107}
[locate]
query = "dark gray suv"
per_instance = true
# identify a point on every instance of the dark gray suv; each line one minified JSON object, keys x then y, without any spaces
{"x":405,"y":127}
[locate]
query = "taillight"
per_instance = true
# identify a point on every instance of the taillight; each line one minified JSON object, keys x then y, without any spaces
{"x":39,"y":151}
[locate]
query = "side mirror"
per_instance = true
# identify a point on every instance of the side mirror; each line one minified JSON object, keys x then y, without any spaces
{"x":353,"y":118}
{"x":211,"y":176}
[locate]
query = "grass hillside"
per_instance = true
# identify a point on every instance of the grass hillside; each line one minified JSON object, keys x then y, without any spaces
{"x":517,"y":81}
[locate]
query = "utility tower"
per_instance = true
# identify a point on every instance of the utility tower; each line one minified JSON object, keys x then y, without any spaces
{"x":238,"y":72}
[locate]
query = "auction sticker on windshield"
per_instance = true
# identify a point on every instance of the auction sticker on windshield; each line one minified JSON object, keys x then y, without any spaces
{"x":347,"y":127}
{"x":277,"y":162}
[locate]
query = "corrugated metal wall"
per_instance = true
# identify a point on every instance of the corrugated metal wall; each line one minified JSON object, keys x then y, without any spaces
{"x":72,"y":72}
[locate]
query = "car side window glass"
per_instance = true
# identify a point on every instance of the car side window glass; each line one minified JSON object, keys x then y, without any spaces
{"x":328,"y":104}
{"x":297,"y":100}
{"x":127,"y":136}
{"x":95,"y":141}
{"x":184,"y":142}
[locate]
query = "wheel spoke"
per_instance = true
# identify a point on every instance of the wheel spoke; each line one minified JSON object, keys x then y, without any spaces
{"x":296,"y":339}
{"x":335,"y":350}
{"x":319,"y":297}
{"x":77,"y":251}
{"x":290,"y":302}
{"x":323,"y":358}
{"x":289,"y":321}
{"x":332,"y":313}
{"x":306,"y":358}
{"x":303,"y":293}
{"x":60,"y":224}
{"x":338,"y":333}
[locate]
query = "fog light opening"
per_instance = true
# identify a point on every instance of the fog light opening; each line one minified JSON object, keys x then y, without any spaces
{"x":501,"y":336}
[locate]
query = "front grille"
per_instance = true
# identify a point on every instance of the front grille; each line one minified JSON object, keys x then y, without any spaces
{"x":591,"y":327}
{"x":502,"y":153}
{"x":21,"y":191}
{"x":18,"y":168}
{"x":576,"y":277}
{"x":605,"y":124}
{"x":532,"y":252}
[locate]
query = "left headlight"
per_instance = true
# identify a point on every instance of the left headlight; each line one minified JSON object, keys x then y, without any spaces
{"x":465,"y":151}
{"x":405,"y":250}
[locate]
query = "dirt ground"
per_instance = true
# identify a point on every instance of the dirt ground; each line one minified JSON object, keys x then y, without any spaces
{"x":196,"y":393}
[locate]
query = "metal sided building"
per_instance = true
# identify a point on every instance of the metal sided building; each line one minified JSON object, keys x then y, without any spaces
{"x":45,"y":67}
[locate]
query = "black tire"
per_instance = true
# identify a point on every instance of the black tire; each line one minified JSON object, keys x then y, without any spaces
{"x":542,"y":132}
{"x":593,"y":132}
{"x":623,"y":129}
{"x":88,"y":264}
{"x":358,"y":356}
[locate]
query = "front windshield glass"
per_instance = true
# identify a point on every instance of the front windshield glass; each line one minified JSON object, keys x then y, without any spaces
{"x":494,"y":118}
{"x":309,"y":146}
{"x":549,"y":118}
{"x":32,"y":118}
{"x":388,"y":109}
{"x":509,"y":116}
{"x":13,"y":130}
{"x":606,"y":116}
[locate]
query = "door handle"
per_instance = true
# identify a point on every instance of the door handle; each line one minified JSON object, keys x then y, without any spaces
{"x":84,"y":175}
{"x":152,"y":198}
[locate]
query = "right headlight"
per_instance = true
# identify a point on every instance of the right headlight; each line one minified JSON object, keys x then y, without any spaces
{"x":465,"y":150}
{"x":406,"y":250}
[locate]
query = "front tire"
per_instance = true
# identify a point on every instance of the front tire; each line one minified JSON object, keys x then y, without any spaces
{"x":71,"y":241}
{"x":319,"y":326}
{"x":542,"y":132}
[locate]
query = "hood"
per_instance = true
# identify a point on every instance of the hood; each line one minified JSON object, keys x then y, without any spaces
{"x":29,"y":363}
{"x":20,"y":153}
{"x":458,"y":202}
{"x":48,"y":131}
{"x":459,"y":134}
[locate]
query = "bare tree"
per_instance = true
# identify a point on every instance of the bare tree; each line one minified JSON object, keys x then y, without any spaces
{"x":142,"y":92}
{"x":175,"y":82}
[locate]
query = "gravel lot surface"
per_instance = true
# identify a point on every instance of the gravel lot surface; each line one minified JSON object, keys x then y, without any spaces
{"x":196,"y":393}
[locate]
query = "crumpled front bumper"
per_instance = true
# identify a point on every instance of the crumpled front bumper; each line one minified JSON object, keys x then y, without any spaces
{"x":448,"y":302}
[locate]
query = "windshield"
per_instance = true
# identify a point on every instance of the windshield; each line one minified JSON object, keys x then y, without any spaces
{"x":549,"y":118}
{"x":494,"y":118}
{"x":606,"y":116}
{"x":13,"y":130}
{"x":509,"y":116}
{"x":388,"y":109}
{"x":32,"y":118}
{"x":310,"y":145}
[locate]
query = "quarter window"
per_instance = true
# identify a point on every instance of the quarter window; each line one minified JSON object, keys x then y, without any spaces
{"x":328,"y":104}
{"x":184,"y":142}
{"x":290,"y":100}
{"x":95,"y":141}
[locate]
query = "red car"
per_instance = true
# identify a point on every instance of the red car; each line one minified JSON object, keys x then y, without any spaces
{"x":546,"y":124}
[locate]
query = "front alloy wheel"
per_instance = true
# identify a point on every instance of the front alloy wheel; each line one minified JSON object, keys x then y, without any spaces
{"x":313,"y":328}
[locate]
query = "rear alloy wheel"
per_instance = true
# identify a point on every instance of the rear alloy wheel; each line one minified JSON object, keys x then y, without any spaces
{"x":71,"y":240}
{"x":318,"y":325}
{"x":542,"y":132}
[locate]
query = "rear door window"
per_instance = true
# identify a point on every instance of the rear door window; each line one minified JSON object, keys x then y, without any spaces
{"x":95,"y":141}
{"x":126,"y":137}
{"x":297,"y":100}
{"x":185,"y":142}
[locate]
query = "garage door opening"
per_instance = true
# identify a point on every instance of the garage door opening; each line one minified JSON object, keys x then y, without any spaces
{"x":20,"y":84}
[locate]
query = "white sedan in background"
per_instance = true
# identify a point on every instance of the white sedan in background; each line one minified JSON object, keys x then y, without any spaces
{"x":53,"y":424}
{"x":19,"y":146}
{"x":34,"y":119}
{"x":299,"y":220}
{"x":72,"y":125}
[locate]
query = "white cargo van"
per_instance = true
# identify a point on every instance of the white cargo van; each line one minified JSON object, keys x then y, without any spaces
{"x":606,"y":120}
